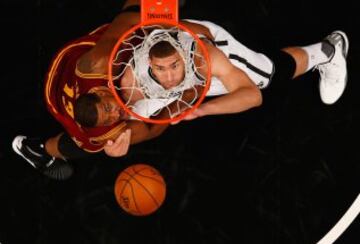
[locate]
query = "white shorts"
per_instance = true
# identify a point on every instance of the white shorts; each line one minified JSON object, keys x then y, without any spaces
{"x":257,"y":66}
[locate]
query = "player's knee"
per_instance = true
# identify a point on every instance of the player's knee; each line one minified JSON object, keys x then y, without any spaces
{"x":258,"y":99}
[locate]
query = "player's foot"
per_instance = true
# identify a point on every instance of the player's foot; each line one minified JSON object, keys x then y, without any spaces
{"x":50,"y":166}
{"x":333,"y":74}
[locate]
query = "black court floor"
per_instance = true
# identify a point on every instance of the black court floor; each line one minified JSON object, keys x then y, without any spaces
{"x":281,"y":173}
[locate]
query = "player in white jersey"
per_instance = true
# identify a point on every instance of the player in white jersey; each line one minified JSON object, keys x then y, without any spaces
{"x":239,"y":73}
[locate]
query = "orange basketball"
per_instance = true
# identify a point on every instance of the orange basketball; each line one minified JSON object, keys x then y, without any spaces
{"x":140,"y":189}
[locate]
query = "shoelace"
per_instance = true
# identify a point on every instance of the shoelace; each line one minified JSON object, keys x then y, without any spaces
{"x":329,"y":72}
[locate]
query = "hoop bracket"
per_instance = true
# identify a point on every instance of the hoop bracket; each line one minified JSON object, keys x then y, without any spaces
{"x":159,"y":10}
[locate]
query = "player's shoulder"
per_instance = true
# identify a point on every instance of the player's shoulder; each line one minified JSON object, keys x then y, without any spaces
{"x":89,"y":64}
{"x":83,"y":64}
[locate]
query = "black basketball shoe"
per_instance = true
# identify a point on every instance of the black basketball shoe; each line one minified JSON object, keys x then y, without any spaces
{"x":33,"y":151}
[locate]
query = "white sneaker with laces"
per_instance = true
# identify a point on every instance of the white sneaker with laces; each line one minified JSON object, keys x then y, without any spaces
{"x":333,"y":74}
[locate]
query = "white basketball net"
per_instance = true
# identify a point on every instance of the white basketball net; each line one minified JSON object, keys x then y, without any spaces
{"x":133,"y":54}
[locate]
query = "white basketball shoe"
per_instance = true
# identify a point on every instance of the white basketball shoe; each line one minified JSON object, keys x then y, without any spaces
{"x":333,"y":74}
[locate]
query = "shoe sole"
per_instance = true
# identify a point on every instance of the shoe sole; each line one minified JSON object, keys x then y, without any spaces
{"x":17,"y":150}
{"x":346,"y":41}
{"x":345,"y":52}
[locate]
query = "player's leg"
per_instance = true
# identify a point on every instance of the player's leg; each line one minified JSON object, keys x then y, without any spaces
{"x":33,"y":151}
{"x":52,"y":146}
{"x":49,"y":156}
{"x":329,"y":57}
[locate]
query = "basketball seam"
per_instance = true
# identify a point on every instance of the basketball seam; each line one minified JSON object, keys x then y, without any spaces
{"x":134,"y":198}
{"x":131,"y":188}
{"x":132,"y":192}
{"x":127,"y":182}
{"x":157,"y":204}
{"x":135,"y":172}
{"x":154,"y":179}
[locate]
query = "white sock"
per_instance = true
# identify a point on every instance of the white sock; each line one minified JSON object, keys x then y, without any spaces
{"x":318,"y":53}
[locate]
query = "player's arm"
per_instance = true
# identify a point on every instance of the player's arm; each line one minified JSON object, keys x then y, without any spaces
{"x":135,"y":132}
{"x":96,"y":60}
{"x":141,"y":131}
{"x":197,"y":28}
{"x":188,"y":98}
{"x":129,"y":3}
{"x":243,"y":93}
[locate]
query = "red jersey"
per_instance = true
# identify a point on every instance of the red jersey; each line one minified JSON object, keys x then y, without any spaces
{"x":63,"y":85}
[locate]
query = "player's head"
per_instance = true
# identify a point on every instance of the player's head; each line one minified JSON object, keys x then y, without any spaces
{"x":98,"y":108}
{"x":166,"y":64}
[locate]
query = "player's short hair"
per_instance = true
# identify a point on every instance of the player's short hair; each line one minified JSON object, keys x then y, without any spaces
{"x":85,"y":111}
{"x":162,"y":49}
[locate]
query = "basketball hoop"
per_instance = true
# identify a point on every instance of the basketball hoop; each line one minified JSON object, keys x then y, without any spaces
{"x":159,"y":22}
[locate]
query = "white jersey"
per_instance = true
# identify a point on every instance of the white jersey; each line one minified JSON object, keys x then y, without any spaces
{"x":257,"y":66}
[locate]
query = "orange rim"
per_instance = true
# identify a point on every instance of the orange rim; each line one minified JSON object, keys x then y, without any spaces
{"x":144,"y":22}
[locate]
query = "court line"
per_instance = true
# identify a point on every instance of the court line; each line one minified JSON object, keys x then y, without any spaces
{"x":343,"y":223}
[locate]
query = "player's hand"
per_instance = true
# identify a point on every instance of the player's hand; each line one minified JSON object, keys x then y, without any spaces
{"x":195,"y":114}
{"x":120,"y":146}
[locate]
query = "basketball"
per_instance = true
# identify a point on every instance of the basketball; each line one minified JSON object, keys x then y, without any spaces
{"x":140,"y":189}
